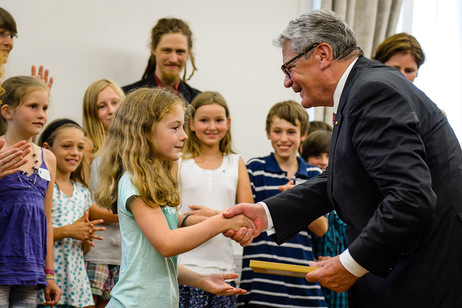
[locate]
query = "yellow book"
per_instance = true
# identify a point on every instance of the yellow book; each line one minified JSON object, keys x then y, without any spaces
{"x":281,"y":268}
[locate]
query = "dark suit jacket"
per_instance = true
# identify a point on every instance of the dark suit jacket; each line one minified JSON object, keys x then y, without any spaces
{"x":188,"y":92}
{"x":395,"y":178}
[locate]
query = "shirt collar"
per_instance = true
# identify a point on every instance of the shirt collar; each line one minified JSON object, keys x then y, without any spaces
{"x":341,"y":84}
{"x":160,"y":84}
{"x":272,"y":165}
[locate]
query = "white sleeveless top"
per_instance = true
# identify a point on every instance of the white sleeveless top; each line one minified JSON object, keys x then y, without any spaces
{"x":215,"y":189}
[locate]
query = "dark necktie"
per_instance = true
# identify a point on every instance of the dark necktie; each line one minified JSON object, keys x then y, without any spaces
{"x":333,"y":118}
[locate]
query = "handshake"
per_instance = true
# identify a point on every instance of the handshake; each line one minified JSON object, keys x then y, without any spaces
{"x":250,"y":221}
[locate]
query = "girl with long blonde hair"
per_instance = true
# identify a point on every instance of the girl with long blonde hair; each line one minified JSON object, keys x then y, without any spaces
{"x":143,"y":141}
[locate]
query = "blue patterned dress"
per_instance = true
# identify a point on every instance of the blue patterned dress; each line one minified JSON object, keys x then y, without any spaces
{"x":70,"y":272}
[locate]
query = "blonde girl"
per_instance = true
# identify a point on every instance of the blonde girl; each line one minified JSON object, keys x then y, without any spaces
{"x":144,"y":140}
{"x":73,"y":232}
{"x":100,"y":103}
{"x":211,"y":178}
{"x":26,"y":233}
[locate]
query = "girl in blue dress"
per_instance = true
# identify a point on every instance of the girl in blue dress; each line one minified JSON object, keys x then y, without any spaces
{"x":26,"y":233}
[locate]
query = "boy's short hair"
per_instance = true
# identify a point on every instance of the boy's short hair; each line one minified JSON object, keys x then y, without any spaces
{"x":291,"y":111}
{"x":317,"y":125}
{"x":7,"y":22}
{"x":316,"y":143}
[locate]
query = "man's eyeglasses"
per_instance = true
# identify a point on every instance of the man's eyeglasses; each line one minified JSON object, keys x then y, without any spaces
{"x":5,"y":34}
{"x":284,"y":66}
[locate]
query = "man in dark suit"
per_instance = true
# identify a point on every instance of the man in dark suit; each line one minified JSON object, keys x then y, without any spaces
{"x":394,"y":175}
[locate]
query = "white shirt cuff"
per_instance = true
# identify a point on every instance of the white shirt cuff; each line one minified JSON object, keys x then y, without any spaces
{"x":351,"y":265}
{"x":270,"y":230}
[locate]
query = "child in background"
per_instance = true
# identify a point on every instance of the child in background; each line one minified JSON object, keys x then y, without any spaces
{"x":315,"y":148}
{"x":26,"y":233}
{"x":286,"y":126}
{"x":73,"y":232}
{"x":211,"y":175}
{"x":314,"y":126}
{"x":315,"y":151}
{"x":100,"y":103}
{"x":144,"y":140}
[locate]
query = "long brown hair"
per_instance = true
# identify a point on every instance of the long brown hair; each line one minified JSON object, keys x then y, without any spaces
{"x":165,"y":26}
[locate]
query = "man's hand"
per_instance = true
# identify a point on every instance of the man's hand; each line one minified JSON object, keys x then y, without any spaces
{"x":331,"y":274}
{"x":42,"y":75}
{"x":254,"y":212}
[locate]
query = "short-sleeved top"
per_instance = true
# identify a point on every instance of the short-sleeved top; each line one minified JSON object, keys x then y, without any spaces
{"x":69,"y":265}
{"x":217,"y":190}
{"x":276,"y":290}
{"x":23,"y":227}
{"x":147,"y":279}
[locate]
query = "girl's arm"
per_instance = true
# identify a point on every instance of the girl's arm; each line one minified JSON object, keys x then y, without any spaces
{"x":88,"y":156}
{"x":107,"y":215}
{"x":319,"y":226}
{"x":153,"y":224}
{"x":244,"y":190}
{"x":52,"y":291}
{"x":191,"y":218}
{"x":214,"y":283}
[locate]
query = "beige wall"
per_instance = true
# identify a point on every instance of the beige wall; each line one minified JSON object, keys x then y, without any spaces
{"x":80,"y":41}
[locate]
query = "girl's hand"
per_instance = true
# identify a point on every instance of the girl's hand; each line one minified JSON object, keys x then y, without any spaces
{"x":216,"y":284}
{"x":202,"y":211}
{"x":52,"y":293}
{"x":84,"y":229}
{"x":13,"y":158}
{"x":240,"y":221}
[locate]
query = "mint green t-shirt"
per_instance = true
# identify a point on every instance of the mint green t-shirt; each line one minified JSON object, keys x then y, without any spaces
{"x":147,"y":279}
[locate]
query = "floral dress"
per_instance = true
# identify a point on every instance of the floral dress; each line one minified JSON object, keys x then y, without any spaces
{"x":70,"y":272}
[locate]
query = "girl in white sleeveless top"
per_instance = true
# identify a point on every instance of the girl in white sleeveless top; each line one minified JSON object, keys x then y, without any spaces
{"x":211,"y":178}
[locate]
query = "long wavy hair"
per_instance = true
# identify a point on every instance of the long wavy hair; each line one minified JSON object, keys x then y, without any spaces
{"x":130,"y":147}
{"x":191,"y":148}
{"x":92,"y":125}
{"x":166,"y":26}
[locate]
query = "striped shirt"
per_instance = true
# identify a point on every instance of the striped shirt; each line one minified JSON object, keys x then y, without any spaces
{"x":265,"y":290}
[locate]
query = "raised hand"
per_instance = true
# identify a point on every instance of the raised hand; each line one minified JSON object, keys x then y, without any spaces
{"x":42,"y":75}
{"x":12,"y":158}
{"x":331,"y":274}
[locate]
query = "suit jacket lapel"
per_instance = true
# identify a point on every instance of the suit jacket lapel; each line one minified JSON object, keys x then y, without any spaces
{"x":361,"y":63}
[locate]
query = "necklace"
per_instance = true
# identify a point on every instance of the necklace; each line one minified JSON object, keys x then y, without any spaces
{"x":33,"y":177}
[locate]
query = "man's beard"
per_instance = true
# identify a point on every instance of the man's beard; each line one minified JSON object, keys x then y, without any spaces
{"x":170,"y":79}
